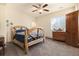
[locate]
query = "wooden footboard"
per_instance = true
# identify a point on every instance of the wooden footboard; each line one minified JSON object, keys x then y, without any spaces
{"x":35,"y":41}
{"x":26,"y":45}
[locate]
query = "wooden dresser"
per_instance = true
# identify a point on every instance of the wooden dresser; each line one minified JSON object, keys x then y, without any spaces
{"x":59,"y":36}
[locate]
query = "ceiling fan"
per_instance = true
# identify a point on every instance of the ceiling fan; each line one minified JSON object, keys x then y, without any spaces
{"x":40,"y":8}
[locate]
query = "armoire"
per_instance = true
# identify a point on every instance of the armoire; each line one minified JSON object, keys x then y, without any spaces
{"x":72,"y":28}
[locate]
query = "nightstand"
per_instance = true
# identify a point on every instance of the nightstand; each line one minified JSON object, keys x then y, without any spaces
{"x":2,"y":46}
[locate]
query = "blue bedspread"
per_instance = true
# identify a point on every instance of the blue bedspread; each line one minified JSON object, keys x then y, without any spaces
{"x":20,"y":36}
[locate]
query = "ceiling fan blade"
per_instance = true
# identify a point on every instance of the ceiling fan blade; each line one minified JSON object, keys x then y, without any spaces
{"x":46,"y":10}
{"x":34,"y":10}
{"x":45,"y":5}
{"x":35,"y":6}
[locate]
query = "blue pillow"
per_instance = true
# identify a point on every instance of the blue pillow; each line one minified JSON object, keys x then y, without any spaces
{"x":20,"y":31}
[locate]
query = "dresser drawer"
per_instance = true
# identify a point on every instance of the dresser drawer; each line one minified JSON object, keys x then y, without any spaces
{"x":59,"y":36}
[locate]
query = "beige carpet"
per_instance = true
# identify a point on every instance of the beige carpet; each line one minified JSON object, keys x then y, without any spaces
{"x":49,"y":48}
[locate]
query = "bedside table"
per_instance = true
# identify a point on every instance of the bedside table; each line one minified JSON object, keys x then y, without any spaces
{"x":2,"y":45}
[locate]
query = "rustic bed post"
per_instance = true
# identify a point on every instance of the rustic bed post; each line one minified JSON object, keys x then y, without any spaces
{"x":26,"y":41}
{"x":43,"y":34}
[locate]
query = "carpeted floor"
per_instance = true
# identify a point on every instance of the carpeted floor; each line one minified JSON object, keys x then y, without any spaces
{"x":49,"y":48}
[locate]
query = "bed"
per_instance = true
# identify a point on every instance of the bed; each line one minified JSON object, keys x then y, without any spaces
{"x":24,"y":37}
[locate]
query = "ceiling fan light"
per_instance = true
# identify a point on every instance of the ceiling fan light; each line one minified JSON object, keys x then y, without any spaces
{"x":40,"y":10}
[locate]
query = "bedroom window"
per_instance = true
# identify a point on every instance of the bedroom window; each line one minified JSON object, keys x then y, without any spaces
{"x":58,"y":23}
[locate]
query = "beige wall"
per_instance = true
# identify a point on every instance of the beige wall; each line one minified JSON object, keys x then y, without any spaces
{"x":2,"y":18}
{"x":18,"y":17}
{"x":1,"y":15}
{"x":77,"y":6}
{"x":44,"y":21}
{"x":13,"y":13}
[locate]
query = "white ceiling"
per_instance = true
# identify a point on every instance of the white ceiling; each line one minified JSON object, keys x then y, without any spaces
{"x":27,"y":8}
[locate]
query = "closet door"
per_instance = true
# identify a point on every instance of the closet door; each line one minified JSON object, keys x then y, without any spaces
{"x":72,"y":28}
{"x":75,"y":28}
{"x":69,"y":28}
